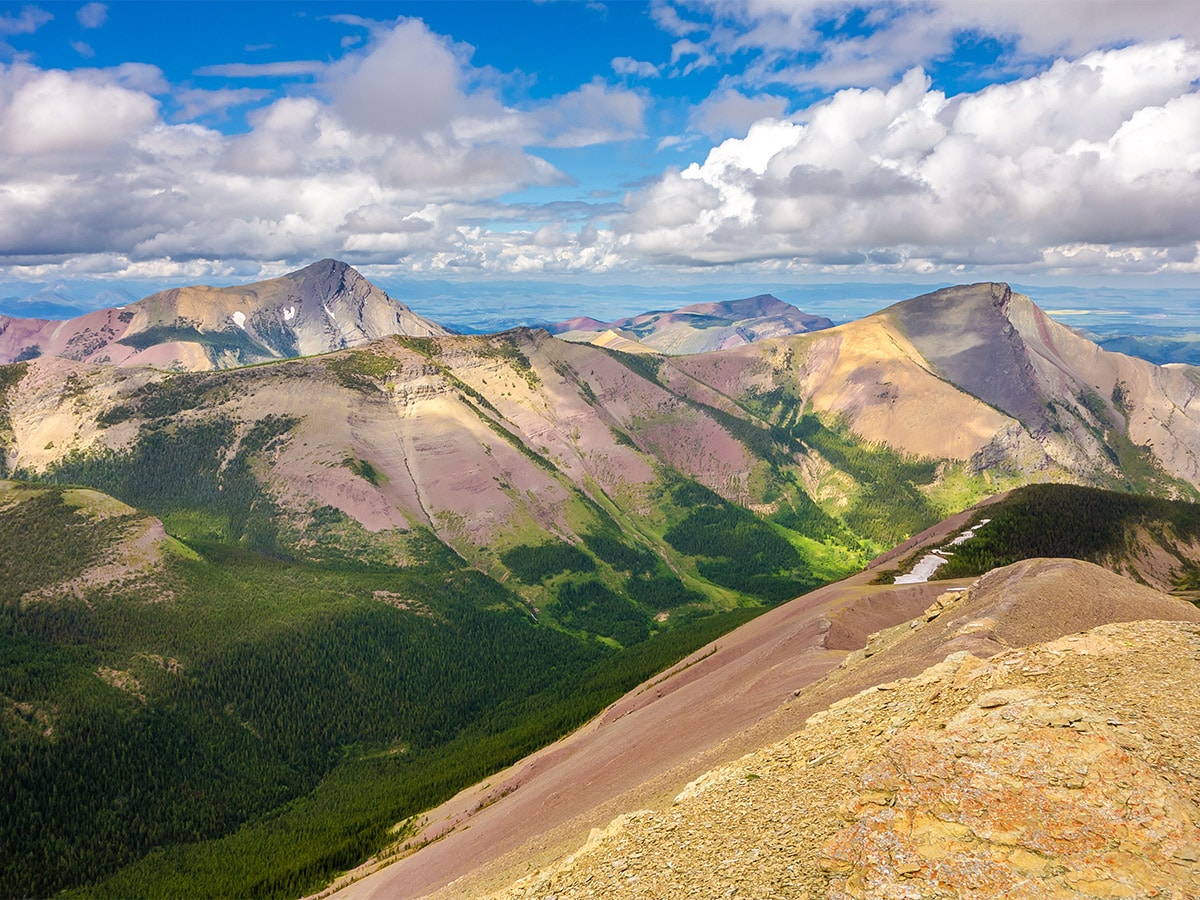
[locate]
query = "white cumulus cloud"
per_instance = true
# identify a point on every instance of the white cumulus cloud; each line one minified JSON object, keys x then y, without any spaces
{"x":404,"y":150}
{"x":594,"y":114}
{"x":397,"y":151}
{"x":47,"y":113}
{"x":27,"y":21}
{"x":1101,"y":152}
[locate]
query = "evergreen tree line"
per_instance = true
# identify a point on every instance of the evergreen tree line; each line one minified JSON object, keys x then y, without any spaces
{"x":279,"y":717}
{"x":1063,"y":520}
{"x":280,"y":672}
{"x":736,"y":549}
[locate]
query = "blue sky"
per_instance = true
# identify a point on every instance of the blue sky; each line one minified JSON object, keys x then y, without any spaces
{"x":658,"y":143}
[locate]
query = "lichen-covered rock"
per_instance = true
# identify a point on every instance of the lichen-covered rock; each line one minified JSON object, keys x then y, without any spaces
{"x":1031,"y":798}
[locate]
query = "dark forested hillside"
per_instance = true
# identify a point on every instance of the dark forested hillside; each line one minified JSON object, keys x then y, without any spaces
{"x":1112,"y":528}
{"x":195,"y":705}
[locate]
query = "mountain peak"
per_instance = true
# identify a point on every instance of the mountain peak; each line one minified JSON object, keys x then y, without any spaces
{"x":968,"y":332}
{"x":327,"y":277}
{"x":328,"y":267}
{"x":981,"y":293}
{"x":327,"y":262}
{"x":325,"y":306}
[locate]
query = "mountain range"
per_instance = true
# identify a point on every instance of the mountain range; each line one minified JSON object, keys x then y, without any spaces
{"x":696,"y":328}
{"x":871,"y":430}
{"x":504,"y":533}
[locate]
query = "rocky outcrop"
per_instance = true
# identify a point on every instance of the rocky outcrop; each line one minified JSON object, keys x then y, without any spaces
{"x":1032,"y":790}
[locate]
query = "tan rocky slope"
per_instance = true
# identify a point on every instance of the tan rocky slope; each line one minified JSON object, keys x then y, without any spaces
{"x":979,"y":374}
{"x":752,"y":688}
{"x":1063,"y":768}
{"x":322,"y":307}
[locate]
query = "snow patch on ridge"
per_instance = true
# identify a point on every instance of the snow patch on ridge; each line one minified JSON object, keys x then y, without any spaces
{"x":239,"y":319}
{"x":933,"y":560}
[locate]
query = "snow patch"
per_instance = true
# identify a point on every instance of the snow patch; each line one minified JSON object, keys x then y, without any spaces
{"x":932,"y":561}
{"x":239,"y":319}
{"x":328,"y":312}
{"x":290,"y":313}
{"x":923,"y":570}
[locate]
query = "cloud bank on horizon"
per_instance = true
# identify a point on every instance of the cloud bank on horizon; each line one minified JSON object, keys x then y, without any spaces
{"x":835,"y":139}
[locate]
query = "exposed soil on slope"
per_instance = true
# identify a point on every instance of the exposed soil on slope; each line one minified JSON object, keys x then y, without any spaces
{"x":868,"y":373}
{"x":648,"y":744}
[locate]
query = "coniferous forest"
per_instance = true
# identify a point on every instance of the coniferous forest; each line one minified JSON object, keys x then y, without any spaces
{"x":1076,"y":522}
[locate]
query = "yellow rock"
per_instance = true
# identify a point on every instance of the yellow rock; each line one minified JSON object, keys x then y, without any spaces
{"x":833,"y":865}
{"x":1030,"y":862}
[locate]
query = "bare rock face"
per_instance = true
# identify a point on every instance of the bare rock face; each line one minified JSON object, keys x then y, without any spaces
{"x":1025,"y":793}
{"x":329,"y":306}
{"x":967,"y":334}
